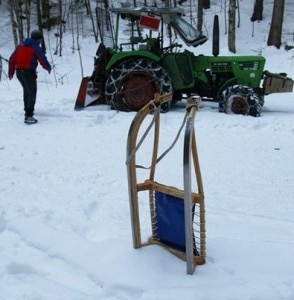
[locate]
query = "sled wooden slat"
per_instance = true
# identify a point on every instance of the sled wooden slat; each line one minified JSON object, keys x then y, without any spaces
{"x":170,"y":190}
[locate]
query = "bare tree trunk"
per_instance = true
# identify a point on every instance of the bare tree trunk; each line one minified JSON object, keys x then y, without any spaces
{"x":78,"y":45}
{"x":225,"y":15}
{"x":257,"y":11}
{"x":275,"y":34}
{"x":87,"y":6}
{"x":13,"y":22}
{"x":232,"y":26}
{"x":206,"y":4}
{"x":0,"y":63}
{"x":17,"y":17}
{"x":92,"y":20}
{"x":20,"y":17}
{"x":45,"y":9}
{"x":52,"y":63}
{"x":39,"y":14}
{"x":28,"y":16}
{"x":239,"y":17}
{"x":200,"y":15}
{"x":45,"y":13}
{"x":60,"y":27}
{"x":39,"y":18}
{"x":72,"y":29}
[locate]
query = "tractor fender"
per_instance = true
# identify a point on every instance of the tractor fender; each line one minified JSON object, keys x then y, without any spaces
{"x":229,"y":82}
{"x":120,"y":56}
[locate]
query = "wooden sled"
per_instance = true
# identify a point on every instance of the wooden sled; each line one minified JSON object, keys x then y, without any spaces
{"x":190,"y":242}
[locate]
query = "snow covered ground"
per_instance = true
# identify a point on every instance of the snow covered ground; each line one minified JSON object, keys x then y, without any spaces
{"x":65,"y":226}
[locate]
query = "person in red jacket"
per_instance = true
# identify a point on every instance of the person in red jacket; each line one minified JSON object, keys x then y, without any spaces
{"x":24,"y":61}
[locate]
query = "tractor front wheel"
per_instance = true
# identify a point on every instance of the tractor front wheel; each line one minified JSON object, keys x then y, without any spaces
{"x":240,"y":99}
{"x":133,"y":83}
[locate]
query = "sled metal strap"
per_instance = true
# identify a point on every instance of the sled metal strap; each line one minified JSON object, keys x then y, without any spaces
{"x":189,"y":144}
{"x":174,"y":142}
{"x":155,"y":159}
{"x":131,"y":164}
{"x":190,"y":103}
{"x":156,"y":121}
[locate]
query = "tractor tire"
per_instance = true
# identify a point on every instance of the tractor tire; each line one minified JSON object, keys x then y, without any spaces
{"x":133,"y":83}
{"x":241,"y":100}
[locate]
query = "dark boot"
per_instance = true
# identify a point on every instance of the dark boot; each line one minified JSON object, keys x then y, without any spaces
{"x":30,"y":120}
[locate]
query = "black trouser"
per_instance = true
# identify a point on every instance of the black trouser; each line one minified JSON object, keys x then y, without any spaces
{"x":28,"y":80}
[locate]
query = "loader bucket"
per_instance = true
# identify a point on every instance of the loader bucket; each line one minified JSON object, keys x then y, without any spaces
{"x":277,"y":83}
{"x":88,"y":95}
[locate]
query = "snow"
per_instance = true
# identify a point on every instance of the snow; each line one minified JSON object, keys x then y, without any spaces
{"x":65,"y":221}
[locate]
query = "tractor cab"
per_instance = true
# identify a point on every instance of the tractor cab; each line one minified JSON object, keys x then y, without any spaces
{"x":148,"y":26}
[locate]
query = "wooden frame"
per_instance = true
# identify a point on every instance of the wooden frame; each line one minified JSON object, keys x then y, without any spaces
{"x":190,"y":198}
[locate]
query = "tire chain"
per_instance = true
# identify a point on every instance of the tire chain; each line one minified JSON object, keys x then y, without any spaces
{"x":133,"y":65}
{"x":254,"y":101}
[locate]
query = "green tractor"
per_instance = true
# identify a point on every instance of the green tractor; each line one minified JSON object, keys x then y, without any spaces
{"x":139,"y":58}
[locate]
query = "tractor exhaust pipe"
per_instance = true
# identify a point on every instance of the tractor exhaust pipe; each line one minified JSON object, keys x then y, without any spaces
{"x":215,"y":36}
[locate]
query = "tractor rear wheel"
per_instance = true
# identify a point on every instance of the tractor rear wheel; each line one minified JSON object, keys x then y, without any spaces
{"x":241,"y":100}
{"x":133,"y":83}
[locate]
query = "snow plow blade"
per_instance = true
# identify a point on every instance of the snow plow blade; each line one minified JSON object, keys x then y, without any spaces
{"x":88,"y":95}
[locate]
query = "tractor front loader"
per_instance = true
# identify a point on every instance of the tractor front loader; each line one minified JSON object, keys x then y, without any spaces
{"x":143,"y":58}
